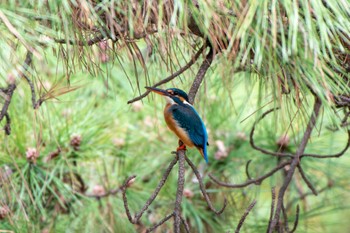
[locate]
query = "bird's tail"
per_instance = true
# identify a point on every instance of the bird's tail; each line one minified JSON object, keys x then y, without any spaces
{"x":204,"y":153}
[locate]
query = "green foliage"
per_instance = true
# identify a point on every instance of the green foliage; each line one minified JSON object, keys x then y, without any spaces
{"x":88,"y":139}
{"x":118,"y":140}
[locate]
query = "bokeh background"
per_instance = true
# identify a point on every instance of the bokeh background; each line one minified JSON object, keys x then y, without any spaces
{"x":85,"y":139}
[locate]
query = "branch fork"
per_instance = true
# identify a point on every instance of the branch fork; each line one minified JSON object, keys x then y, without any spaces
{"x":289,"y":159}
{"x":176,"y":214}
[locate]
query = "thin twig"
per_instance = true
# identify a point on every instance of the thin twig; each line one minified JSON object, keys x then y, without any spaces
{"x":244,"y":216}
{"x":285,"y":217}
{"x":180,"y":189}
{"x":247,"y":170}
{"x":161,"y":222}
{"x":306,"y":180}
{"x":341,"y":101}
{"x":90,"y":42}
{"x":295,"y":161}
{"x":35,"y":103}
{"x":153,"y":196}
{"x":172,"y":76}
{"x":337,"y":155}
{"x":301,"y":197}
{"x":273,"y":199}
{"x":184,"y":222}
{"x":262,"y":150}
{"x":7,"y":126}
{"x":125,"y":200}
{"x":204,"y":192}
{"x":256,"y":181}
{"x":12,"y":87}
{"x":282,"y":154}
{"x":296,"y":220}
{"x":200,"y":75}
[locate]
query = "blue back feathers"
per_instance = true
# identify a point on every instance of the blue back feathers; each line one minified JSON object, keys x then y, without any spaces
{"x":205,"y":136}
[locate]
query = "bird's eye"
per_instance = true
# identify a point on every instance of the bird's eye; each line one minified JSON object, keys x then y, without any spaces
{"x":170,"y":92}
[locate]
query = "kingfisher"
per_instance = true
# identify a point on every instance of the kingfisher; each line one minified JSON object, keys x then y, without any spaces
{"x":183,"y":120}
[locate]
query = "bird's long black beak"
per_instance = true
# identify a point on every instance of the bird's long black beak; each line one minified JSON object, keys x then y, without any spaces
{"x":158,"y":91}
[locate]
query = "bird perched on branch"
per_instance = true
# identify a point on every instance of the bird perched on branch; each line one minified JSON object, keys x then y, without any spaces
{"x":183,"y":120}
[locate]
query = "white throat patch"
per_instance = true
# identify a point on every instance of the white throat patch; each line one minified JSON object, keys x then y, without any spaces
{"x":169,"y":100}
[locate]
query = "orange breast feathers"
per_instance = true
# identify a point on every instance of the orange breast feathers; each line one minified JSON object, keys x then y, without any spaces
{"x":173,"y":126}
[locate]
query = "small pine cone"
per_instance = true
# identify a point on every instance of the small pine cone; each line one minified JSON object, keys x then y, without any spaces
{"x":32,"y":155}
{"x":188,"y":193}
{"x":283,"y":141}
{"x":75,"y":141}
{"x":4,"y":211}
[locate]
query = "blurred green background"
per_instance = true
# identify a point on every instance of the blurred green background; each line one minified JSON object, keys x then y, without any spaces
{"x":85,"y":140}
{"x":114,"y":140}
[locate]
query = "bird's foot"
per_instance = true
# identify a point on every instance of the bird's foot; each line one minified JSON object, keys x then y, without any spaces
{"x":182,"y":147}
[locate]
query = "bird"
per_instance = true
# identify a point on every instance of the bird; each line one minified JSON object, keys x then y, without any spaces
{"x":183,"y":119}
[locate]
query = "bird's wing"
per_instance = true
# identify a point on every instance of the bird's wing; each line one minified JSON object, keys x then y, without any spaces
{"x":188,"y":119}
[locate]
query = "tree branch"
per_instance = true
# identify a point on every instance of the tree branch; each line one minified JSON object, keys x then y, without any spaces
{"x":282,"y":154}
{"x":337,"y":155}
{"x":12,"y":87}
{"x":204,"y":192}
{"x":180,"y":188}
{"x":306,"y":180}
{"x":90,"y":42}
{"x":247,"y":169}
{"x":187,"y":227}
{"x":200,"y":75}
{"x":285,"y":218}
{"x":247,"y":211}
{"x":295,"y":161}
{"x":7,"y":127}
{"x":31,"y":89}
{"x":151,"y":199}
{"x":262,"y":150}
{"x":256,"y":181}
{"x":174,"y":75}
{"x":35,"y":103}
{"x":296,"y":219}
{"x":9,"y":92}
{"x":301,"y":197}
{"x":161,"y":222}
{"x":273,"y":199}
